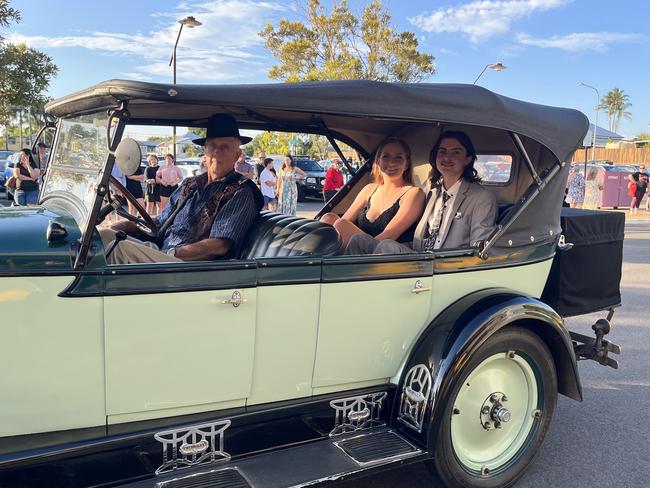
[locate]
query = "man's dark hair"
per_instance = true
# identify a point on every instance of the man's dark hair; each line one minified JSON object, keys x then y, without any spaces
{"x":469,"y":173}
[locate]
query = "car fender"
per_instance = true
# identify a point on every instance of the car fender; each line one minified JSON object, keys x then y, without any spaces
{"x":456,"y":334}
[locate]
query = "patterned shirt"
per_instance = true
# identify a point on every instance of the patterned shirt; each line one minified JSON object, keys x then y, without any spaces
{"x":232,"y":222}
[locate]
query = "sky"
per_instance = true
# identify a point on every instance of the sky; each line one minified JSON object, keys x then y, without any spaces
{"x":547,"y":46}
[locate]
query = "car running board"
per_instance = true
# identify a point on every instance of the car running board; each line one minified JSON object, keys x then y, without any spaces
{"x":327,"y":459}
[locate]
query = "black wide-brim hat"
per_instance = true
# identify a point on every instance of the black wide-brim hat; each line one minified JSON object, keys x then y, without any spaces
{"x":222,"y":125}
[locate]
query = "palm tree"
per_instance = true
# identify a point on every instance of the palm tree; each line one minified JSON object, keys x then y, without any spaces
{"x":616,"y":103}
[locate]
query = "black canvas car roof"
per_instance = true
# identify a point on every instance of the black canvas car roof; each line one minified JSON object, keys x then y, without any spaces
{"x":343,"y":106}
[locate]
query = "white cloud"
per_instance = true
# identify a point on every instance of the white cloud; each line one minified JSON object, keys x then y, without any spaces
{"x":481,"y":19}
{"x":223,"y":48}
{"x":580,"y":41}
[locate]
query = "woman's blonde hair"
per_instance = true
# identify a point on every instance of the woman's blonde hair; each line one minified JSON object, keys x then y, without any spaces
{"x":376,"y":170}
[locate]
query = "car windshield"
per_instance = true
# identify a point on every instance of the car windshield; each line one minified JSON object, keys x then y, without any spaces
{"x":77,"y":161}
{"x":309,"y":165}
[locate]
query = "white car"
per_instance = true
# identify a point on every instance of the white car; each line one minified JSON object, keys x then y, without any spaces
{"x":189,"y":167}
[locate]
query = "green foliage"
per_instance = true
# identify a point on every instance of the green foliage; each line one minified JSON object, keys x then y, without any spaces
{"x":644,"y":136}
{"x":25,"y":73}
{"x":340,"y":46}
{"x":616,"y":103}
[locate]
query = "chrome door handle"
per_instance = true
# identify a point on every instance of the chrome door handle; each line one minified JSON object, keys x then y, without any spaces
{"x":236,"y":300}
{"x":418,"y":288}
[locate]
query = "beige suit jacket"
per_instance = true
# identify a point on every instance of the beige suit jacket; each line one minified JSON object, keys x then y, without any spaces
{"x":472,"y":217}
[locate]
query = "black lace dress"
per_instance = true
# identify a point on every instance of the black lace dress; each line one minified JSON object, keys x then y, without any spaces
{"x":375,"y":227}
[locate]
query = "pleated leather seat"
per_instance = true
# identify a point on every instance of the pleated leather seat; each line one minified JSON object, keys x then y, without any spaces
{"x":277,"y":235}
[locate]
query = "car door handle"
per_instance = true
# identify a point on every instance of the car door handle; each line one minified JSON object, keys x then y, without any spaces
{"x":236,"y":300}
{"x":418,"y":288}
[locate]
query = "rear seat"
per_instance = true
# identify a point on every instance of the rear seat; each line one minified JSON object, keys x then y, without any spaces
{"x":277,"y":235}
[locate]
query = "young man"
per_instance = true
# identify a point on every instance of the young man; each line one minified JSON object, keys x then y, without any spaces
{"x":208,"y":217}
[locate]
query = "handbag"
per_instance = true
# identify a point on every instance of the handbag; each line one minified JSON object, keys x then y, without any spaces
{"x":11,"y":183}
{"x":631,"y":189}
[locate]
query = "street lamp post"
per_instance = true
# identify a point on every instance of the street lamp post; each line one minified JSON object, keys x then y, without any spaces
{"x":498,"y":66}
{"x":593,"y":136}
{"x":190,"y":22}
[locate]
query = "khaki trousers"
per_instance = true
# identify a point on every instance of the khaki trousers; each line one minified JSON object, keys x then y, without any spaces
{"x":132,"y":250}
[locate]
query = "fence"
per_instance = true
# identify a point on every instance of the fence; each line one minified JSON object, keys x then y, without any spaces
{"x":626,"y":155}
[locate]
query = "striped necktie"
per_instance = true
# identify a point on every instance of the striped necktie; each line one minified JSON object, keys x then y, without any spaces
{"x":433,"y":228}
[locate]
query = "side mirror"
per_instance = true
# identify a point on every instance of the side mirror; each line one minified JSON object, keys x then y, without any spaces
{"x":128,"y":156}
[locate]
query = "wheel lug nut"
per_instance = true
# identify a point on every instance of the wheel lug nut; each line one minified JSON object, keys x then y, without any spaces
{"x":493,"y":398}
{"x":485,"y":410}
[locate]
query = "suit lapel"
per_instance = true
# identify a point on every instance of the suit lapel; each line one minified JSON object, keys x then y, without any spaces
{"x":462,"y":193}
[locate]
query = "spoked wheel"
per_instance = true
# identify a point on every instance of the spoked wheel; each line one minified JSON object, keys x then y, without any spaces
{"x":499,"y":411}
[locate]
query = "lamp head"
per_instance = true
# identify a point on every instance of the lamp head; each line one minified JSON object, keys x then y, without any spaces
{"x":498,"y":66}
{"x":190,"y":22}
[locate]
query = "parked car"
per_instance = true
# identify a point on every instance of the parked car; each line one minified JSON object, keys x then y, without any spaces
{"x":3,"y":167}
{"x":312,"y":184}
{"x":189,"y":167}
{"x":291,"y":364}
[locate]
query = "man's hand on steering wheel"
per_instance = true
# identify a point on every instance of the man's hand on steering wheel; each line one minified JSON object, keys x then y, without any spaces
{"x":144,"y":222}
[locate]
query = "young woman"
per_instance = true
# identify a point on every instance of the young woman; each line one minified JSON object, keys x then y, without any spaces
{"x":26,"y":174}
{"x":134,"y":185}
{"x":389,"y":207}
{"x":287,"y":186}
{"x":459,"y":212}
{"x":168,"y":176}
{"x":152,"y":192}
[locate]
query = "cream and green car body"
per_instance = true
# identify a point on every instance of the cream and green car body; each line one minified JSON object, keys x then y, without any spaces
{"x":277,"y":355}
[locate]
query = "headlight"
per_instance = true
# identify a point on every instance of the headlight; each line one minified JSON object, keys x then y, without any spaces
{"x":311,"y":180}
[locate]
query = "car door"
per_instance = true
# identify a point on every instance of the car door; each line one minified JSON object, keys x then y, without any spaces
{"x":371,"y":311}
{"x":179,"y":338}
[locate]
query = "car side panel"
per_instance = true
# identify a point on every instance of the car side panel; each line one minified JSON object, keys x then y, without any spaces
{"x":528,"y":279}
{"x":176,"y":353}
{"x":51,"y":357}
{"x":285,"y":342}
{"x":366,"y":327}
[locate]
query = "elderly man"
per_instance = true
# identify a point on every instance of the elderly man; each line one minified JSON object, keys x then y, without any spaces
{"x":208,"y":217}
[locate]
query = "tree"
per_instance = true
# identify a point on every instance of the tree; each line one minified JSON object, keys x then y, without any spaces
{"x":341,"y":46}
{"x":25,"y":73}
{"x":616,"y":103}
{"x":645,"y":137}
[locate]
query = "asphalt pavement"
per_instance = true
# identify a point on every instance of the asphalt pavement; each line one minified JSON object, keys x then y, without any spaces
{"x":603,"y":441}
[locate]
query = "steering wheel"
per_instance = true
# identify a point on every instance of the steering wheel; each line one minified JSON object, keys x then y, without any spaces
{"x":145,"y":223}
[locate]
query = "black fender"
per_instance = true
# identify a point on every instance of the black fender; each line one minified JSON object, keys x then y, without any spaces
{"x":457,"y":333}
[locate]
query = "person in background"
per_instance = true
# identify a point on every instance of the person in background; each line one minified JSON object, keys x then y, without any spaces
{"x":41,"y":156}
{"x":152,"y":193}
{"x":333,"y":180}
{"x":268,"y":185}
{"x":637,"y":187}
{"x":168,"y":176}
{"x":202,"y":165}
{"x":576,"y":191}
{"x":26,"y":173}
{"x":134,"y":185}
{"x":287,"y":186}
{"x":244,"y":168}
{"x":259,"y":166}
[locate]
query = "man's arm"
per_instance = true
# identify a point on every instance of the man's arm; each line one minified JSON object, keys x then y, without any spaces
{"x":207,"y":249}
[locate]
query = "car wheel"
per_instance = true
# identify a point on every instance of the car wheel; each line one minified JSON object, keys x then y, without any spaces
{"x":500,"y":408}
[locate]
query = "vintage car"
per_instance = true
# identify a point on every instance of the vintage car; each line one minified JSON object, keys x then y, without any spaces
{"x":293,"y":364}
